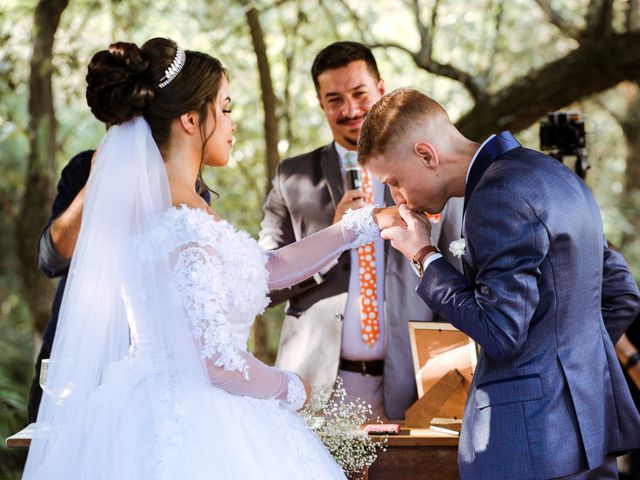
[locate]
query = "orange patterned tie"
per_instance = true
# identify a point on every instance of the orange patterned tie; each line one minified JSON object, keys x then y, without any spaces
{"x":369,"y":319}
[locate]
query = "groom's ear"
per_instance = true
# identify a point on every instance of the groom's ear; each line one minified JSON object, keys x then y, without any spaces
{"x":427,"y":154}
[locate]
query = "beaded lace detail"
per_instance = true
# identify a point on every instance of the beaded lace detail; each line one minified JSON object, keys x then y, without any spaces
{"x":221,"y":275}
{"x":362,"y":224}
{"x":296,"y":394}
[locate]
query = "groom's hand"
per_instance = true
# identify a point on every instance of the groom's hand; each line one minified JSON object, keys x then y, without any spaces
{"x":410,"y":239}
{"x":307,"y":390}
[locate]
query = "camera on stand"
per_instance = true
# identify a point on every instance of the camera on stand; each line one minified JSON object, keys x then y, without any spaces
{"x":562,"y":137}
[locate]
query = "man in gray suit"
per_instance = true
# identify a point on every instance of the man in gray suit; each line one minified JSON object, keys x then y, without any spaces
{"x":542,"y":293}
{"x":322,"y":335}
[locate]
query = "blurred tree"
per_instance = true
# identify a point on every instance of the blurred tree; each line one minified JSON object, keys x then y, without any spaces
{"x":550,"y":86}
{"x":39,"y":181}
{"x":269,"y":100}
{"x":630,"y":123}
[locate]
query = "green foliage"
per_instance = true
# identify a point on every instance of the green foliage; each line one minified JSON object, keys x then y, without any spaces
{"x":16,"y":369}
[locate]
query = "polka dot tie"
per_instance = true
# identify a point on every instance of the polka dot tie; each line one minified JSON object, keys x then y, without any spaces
{"x":369,"y":317}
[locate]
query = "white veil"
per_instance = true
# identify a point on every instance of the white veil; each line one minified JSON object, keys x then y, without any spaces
{"x":114,"y":280}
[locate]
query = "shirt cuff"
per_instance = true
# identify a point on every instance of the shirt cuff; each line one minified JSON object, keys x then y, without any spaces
{"x":430,"y":259}
{"x":49,"y":260}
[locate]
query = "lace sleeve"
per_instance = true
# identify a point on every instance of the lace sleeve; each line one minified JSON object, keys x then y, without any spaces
{"x":300,"y":260}
{"x":208,"y":301}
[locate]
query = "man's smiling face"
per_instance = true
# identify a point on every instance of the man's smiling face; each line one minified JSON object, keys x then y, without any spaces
{"x":346,"y":94}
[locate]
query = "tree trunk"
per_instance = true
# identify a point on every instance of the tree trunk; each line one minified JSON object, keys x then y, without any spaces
{"x":593,"y":67}
{"x":269,"y":100}
{"x":630,"y":124}
{"x":39,"y":181}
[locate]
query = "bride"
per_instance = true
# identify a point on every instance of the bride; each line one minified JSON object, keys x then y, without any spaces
{"x":149,"y":376}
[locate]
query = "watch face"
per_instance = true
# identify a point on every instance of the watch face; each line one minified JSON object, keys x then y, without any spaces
{"x":417,"y":267}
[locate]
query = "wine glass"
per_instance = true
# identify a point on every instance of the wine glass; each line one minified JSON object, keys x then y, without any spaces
{"x":44,"y":369}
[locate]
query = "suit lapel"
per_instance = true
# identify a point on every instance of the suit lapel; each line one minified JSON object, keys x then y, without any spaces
{"x":495,"y":148}
{"x":490,"y":152}
{"x":330,"y":164}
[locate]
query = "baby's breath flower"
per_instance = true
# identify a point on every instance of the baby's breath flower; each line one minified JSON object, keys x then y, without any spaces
{"x":338,"y":423}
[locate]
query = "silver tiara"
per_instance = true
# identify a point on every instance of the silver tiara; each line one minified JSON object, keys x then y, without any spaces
{"x":174,"y":69}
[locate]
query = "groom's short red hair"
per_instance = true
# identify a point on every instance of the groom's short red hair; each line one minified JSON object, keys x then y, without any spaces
{"x":393,"y":115}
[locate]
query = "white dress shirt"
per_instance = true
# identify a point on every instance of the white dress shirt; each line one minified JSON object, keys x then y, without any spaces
{"x":353,"y":345}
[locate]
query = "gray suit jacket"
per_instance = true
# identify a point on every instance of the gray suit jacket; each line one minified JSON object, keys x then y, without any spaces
{"x":546,"y":300}
{"x":306,"y":190}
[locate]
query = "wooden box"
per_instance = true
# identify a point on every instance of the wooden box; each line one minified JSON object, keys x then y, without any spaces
{"x":444,"y":359}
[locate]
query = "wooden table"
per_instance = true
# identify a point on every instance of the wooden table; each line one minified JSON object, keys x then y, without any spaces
{"x":22,"y":439}
{"x":417,"y":454}
{"x":414,"y":454}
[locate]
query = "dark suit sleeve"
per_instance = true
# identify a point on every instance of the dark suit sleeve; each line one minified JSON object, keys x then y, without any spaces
{"x":620,"y":296}
{"x":74,"y":176}
{"x":276,"y":230}
{"x":509,"y":244}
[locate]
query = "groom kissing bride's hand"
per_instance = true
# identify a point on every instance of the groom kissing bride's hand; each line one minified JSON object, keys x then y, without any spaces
{"x":388,"y":217}
{"x":410,"y":234}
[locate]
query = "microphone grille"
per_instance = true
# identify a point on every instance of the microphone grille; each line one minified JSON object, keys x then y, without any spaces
{"x":351,"y":161}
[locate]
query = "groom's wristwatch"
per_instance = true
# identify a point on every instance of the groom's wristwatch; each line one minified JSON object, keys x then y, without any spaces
{"x":418,"y":258}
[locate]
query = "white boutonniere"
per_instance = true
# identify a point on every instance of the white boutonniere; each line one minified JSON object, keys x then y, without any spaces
{"x":458,"y":247}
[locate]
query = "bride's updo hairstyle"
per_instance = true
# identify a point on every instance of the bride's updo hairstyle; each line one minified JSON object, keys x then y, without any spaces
{"x":124,"y":82}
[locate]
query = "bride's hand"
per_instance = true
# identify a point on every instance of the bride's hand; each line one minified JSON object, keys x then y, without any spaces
{"x":388,"y":217}
{"x":307,"y":391}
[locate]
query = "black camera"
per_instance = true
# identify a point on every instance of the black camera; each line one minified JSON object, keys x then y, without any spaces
{"x":562,"y":135}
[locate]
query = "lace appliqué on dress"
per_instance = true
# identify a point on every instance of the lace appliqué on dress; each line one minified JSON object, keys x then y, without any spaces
{"x":361,"y":223}
{"x":221,"y":276}
{"x":206,"y":296}
{"x":296,"y":394}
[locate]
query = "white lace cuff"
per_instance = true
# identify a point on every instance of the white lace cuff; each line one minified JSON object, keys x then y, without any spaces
{"x":296,"y":394}
{"x":361,"y":223}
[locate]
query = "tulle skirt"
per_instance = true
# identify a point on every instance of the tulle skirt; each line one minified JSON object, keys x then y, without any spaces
{"x":138,"y":425}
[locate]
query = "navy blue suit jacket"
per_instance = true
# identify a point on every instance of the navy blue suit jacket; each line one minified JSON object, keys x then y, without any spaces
{"x":546,"y":299}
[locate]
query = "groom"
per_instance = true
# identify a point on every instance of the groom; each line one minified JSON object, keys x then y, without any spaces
{"x":542,"y":293}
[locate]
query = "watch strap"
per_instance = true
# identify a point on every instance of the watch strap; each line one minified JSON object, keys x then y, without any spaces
{"x":423,"y":252}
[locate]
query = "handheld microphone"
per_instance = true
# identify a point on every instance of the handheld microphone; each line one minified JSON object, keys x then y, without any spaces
{"x":354,"y":174}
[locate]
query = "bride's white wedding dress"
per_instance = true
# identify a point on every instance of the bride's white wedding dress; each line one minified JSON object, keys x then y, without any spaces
{"x":177,"y":395}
